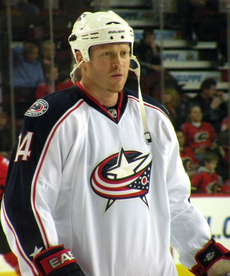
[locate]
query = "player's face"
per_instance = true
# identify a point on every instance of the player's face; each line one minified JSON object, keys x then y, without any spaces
{"x":108,"y":67}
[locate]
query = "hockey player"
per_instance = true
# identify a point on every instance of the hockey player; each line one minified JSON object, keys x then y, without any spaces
{"x":96,"y":186}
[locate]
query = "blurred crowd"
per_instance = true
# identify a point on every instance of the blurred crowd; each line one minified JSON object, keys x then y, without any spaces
{"x":201,"y":122}
{"x":35,"y":75}
{"x":202,"y":127}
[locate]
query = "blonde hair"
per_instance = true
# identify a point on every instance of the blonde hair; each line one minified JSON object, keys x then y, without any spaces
{"x":175,"y":96}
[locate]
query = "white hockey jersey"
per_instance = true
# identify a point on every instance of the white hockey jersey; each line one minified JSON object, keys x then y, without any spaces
{"x":82,"y":179}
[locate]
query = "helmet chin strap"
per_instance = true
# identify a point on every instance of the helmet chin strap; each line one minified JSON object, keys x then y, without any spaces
{"x":137,"y":71}
{"x":75,"y":67}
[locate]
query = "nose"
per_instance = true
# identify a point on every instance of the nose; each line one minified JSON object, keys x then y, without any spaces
{"x":117,"y":61}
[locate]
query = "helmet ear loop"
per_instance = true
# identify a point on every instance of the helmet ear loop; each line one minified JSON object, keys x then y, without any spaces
{"x":75,"y":67}
{"x":137,"y":71}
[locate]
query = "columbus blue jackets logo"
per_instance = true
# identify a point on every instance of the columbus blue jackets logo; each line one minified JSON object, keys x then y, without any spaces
{"x":37,"y":109}
{"x":123,"y":175}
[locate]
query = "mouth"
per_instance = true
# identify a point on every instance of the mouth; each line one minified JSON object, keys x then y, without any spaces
{"x":117,"y":76}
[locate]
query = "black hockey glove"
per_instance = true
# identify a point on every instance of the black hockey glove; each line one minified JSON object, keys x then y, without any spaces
{"x":57,"y":261}
{"x":210,"y":254}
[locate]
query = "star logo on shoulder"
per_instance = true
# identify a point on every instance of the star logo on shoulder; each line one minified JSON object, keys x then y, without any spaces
{"x":36,"y":251}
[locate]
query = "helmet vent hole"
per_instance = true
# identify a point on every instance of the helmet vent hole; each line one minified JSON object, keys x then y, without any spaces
{"x":112,"y":22}
{"x":111,"y":37}
{"x":122,"y":37}
{"x":73,"y":38}
{"x":86,"y":36}
{"x":94,"y":35}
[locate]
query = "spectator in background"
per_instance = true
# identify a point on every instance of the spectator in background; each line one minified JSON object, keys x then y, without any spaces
{"x":190,"y":162}
{"x":206,"y":180}
{"x":47,"y":49}
{"x":148,"y":53}
{"x":28,"y":75}
{"x":149,"y":56}
{"x":199,"y":135}
{"x":212,"y":102}
{"x":59,"y":84}
{"x":27,"y":68}
{"x":171,"y":100}
{"x":47,"y":87}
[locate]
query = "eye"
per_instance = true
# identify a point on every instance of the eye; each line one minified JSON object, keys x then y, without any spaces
{"x":106,"y":54}
{"x":125,"y":54}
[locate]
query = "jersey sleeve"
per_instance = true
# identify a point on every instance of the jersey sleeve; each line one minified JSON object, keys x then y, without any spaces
{"x":189,"y":229}
{"x":31,"y":192}
{"x":35,"y":175}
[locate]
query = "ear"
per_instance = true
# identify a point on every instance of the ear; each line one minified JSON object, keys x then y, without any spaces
{"x":79,"y":56}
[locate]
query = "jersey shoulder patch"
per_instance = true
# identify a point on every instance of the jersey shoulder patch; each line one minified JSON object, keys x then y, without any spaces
{"x":38,"y":108}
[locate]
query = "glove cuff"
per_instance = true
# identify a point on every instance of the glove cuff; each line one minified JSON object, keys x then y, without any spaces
{"x":210,"y":254}
{"x":56,"y":261}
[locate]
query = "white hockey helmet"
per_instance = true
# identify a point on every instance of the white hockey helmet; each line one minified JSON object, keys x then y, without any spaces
{"x":98,"y":28}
